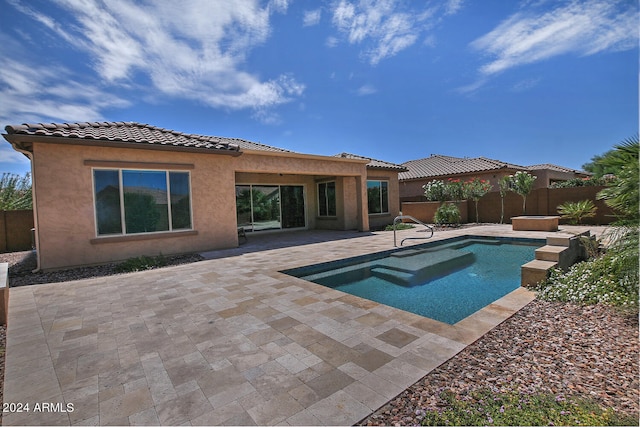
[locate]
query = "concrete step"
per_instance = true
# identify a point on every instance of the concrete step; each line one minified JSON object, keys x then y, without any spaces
{"x":535,"y":271}
{"x":565,"y":239}
{"x":550,"y":253}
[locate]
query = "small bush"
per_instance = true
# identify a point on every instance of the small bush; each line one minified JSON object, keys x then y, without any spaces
{"x":399,"y":226}
{"x":510,"y":408}
{"x":447,"y":213}
{"x":605,"y":280}
{"x":579,"y":182}
{"x":576,"y":211}
{"x":141,"y":263}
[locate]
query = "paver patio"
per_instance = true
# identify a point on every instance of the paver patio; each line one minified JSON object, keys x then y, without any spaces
{"x":229,"y":340}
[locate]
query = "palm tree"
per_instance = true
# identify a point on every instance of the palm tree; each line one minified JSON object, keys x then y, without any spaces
{"x":622,"y":192}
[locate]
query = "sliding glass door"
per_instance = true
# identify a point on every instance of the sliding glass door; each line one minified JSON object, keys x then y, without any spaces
{"x":269,"y":207}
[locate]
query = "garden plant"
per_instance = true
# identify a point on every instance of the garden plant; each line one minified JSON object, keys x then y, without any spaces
{"x":475,"y":189}
{"x":447,"y":214}
{"x":575,"y":212}
{"x":522,"y":183}
{"x":612,"y":277}
{"x":504,"y":184}
{"x":15,"y":192}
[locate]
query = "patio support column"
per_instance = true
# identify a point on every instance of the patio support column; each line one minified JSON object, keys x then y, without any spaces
{"x":363,"y":210}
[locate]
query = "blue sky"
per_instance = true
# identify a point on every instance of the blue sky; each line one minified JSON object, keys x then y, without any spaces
{"x":526,"y":82}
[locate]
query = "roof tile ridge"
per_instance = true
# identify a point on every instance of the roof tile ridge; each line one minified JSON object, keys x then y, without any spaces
{"x":423,"y":158}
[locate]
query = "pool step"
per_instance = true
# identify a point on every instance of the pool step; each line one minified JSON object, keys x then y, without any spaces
{"x":535,"y":271}
{"x":421,"y":269}
{"x":559,"y":252}
{"x":550,"y":253}
{"x":454,"y":245}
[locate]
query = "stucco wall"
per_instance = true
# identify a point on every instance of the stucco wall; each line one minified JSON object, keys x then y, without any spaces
{"x":381,"y":220}
{"x":66,"y":230}
{"x":63,"y":183}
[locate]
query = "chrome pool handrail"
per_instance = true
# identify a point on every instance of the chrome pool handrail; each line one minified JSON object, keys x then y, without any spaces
{"x":417,"y":221}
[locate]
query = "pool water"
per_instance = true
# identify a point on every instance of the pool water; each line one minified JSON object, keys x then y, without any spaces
{"x":446,"y":282}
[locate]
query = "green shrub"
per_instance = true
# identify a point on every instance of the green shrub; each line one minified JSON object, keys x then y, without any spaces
{"x":579,"y":182}
{"x":576,"y":211}
{"x":141,"y":263}
{"x":399,"y":226}
{"x":608,"y":279}
{"x":15,"y":192}
{"x":510,"y":408}
{"x":447,"y":213}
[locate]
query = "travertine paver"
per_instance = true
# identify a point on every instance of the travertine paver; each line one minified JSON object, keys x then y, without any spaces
{"x":227,"y":341}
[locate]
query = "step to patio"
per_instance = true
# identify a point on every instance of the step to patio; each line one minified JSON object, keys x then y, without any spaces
{"x":535,"y":271}
{"x":550,"y":253}
{"x":561,"y":251}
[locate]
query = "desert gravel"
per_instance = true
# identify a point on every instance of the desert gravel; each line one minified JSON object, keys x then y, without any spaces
{"x":565,"y":349}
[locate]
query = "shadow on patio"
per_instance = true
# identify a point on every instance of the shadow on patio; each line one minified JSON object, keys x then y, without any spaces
{"x":257,"y":242}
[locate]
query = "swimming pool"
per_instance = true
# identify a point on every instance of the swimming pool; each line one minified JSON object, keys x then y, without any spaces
{"x":446,"y":280}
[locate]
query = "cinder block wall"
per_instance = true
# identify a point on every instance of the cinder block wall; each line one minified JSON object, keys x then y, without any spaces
{"x":541,"y":201}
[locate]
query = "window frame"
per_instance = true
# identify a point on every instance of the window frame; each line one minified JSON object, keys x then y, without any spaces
{"x":326,"y":200}
{"x":123,"y":226}
{"x":250,"y":227}
{"x":381,"y":201}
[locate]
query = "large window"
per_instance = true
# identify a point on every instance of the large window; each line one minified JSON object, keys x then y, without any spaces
{"x":327,"y":198}
{"x":378,"y":197}
{"x":141,"y":201}
{"x":268,"y":207}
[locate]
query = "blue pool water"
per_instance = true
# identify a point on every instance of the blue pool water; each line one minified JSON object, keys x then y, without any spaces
{"x":445,"y":281}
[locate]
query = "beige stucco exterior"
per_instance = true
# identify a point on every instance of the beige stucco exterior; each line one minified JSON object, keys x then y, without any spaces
{"x":66,"y":233}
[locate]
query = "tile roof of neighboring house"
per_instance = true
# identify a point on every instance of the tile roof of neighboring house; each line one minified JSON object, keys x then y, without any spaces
{"x":373,"y":163}
{"x":129,"y":132}
{"x":553,"y":167}
{"x":438,"y":165}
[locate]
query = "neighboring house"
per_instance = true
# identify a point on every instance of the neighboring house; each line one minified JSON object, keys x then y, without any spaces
{"x":421,"y":171}
{"x":110,"y":191}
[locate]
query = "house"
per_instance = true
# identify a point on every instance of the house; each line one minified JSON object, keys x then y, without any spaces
{"x":436,"y":166}
{"x":109,"y":191}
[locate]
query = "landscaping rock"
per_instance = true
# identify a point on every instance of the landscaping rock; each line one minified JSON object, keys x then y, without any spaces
{"x":565,"y":349}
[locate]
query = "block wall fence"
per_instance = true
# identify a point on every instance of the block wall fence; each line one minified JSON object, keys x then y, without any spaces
{"x":15,"y":230}
{"x":541,"y":201}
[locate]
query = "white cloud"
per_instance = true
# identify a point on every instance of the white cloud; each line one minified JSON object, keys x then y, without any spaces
{"x":9,"y":155}
{"x":311,"y":17}
{"x":386,"y":27}
{"x":453,"y":6}
{"x":525,"y":85}
{"x":193,"y":49}
{"x":32,"y":93}
{"x":366,"y":90}
{"x":332,"y":42}
{"x":579,"y":27}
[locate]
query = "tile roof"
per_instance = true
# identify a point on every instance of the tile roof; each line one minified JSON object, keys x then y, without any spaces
{"x":373,"y":163}
{"x":127,"y":132}
{"x":248,"y":145}
{"x":438,"y":165}
{"x":550,"y":166}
